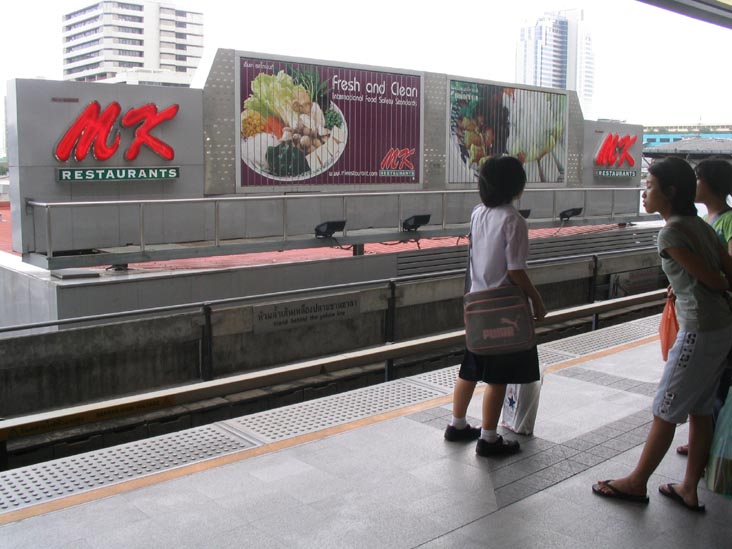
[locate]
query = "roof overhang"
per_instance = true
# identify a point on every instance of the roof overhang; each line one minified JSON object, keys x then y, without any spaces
{"x":711,"y":11}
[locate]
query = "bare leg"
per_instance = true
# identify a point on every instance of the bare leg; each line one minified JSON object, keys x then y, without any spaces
{"x":701,"y":431}
{"x":461,"y":397}
{"x":657,"y":444}
{"x":492,"y":405}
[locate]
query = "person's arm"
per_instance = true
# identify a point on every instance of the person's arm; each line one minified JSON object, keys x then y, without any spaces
{"x":522,"y":280}
{"x":726,"y":260}
{"x":729,"y":247}
{"x":694,"y":265}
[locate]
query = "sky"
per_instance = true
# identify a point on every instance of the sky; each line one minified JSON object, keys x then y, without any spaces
{"x":651,"y":66}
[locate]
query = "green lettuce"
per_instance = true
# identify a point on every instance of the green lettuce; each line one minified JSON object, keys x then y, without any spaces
{"x":272,"y":95}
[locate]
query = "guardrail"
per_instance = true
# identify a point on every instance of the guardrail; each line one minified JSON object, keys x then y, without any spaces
{"x":286,"y":200}
{"x":80,"y":415}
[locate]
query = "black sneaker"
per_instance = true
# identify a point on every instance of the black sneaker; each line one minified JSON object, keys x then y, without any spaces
{"x":453,"y":434}
{"x":500,"y":447}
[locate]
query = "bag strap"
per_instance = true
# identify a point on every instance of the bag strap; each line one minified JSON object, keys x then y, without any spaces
{"x":468,"y":282}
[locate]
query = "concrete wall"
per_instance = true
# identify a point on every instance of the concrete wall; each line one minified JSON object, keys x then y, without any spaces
{"x":27,"y":294}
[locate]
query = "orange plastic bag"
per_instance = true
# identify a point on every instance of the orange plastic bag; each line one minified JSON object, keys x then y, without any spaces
{"x":669,"y":327}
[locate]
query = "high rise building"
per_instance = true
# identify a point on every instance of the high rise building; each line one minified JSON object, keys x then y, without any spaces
{"x":136,"y":41}
{"x":556,"y":52}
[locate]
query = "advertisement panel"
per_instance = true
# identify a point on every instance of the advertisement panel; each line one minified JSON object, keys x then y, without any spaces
{"x":488,"y":120}
{"x":317,"y":124}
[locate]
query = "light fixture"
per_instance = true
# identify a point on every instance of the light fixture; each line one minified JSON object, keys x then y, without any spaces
{"x":415,"y":222}
{"x":326,"y":229}
{"x":567,"y":214}
{"x":525,"y":213}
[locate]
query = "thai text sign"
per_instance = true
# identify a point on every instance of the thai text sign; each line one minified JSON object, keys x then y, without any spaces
{"x":319,"y":124}
{"x":281,"y":316}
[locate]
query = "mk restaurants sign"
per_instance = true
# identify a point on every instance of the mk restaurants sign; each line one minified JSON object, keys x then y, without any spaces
{"x":613,"y":159}
{"x":96,"y":131}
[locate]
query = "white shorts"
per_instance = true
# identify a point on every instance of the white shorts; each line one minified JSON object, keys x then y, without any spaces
{"x":691,"y":375}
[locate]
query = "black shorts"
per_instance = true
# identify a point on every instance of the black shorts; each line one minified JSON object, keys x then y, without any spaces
{"x":519,"y":367}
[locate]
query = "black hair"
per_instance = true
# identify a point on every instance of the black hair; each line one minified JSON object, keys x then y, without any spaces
{"x":717,"y":174}
{"x":676,"y":173}
{"x":501,"y":180}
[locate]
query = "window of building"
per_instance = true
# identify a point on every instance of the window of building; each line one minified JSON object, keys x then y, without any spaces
{"x":83,"y":46}
{"x":90,"y":32}
{"x":181,"y":58}
{"x":131,"y":7}
{"x":128,"y":18}
{"x":77,"y":13}
{"x":180,"y":13}
{"x":180,"y":24}
{"x":181,"y":69}
{"x":129,"y":41}
{"x":181,"y":47}
{"x":129,"y":30}
{"x":181,"y":35}
{"x":83,"y":68}
{"x":78,"y":58}
{"x":80,"y":24}
{"x":130,"y":53}
{"x":128,"y":64}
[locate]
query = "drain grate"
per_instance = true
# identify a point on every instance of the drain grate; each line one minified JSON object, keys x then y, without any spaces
{"x":552,"y":356}
{"x":649,"y":321}
{"x":600,"y":340}
{"x":62,"y":477}
{"x":315,"y":415}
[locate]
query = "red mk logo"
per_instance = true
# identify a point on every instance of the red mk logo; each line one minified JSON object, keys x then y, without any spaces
{"x":94,"y":130}
{"x":615,"y":150}
{"x":397,"y":159}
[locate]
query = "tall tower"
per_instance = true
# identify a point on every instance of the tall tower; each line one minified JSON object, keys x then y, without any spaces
{"x":556,"y":52}
{"x":136,"y":41}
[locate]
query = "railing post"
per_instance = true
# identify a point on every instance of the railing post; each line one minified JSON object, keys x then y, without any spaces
{"x":217,"y":236}
{"x":142,"y":227}
{"x":49,"y":246}
{"x":206,"y":362}
{"x":390,"y":328}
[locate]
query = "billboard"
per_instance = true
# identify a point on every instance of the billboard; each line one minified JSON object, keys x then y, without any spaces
{"x":309,"y":124}
{"x":491,"y":120}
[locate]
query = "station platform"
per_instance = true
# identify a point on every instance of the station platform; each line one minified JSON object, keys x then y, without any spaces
{"x":370,"y":468}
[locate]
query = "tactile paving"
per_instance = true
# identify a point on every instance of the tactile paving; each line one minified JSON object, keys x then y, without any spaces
{"x":602,"y":339}
{"x":316,"y":415}
{"x":62,"y":477}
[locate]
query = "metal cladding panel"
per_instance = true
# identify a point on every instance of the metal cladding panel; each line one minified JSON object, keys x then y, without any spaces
{"x":43,"y":114}
{"x":612,"y":154}
{"x":219,"y":123}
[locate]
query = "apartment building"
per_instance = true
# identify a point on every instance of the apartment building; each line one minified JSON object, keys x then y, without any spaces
{"x":556,"y":51}
{"x":135,"y":42}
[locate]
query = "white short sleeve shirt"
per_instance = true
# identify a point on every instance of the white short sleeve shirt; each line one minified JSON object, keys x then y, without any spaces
{"x":500,"y":243}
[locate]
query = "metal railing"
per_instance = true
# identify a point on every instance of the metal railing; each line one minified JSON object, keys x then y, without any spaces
{"x":286,"y":199}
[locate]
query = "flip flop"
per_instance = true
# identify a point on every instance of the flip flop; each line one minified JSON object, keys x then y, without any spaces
{"x":615,"y":493}
{"x":668,"y":491}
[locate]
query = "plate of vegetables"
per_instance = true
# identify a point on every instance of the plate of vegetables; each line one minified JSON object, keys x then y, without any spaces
{"x":290,"y":130}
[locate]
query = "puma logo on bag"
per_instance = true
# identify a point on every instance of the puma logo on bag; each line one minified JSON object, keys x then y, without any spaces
{"x":503,"y":331}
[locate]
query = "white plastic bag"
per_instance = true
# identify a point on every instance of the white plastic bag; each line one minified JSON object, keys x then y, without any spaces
{"x":520,"y":407}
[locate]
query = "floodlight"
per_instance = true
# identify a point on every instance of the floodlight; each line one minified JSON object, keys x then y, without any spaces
{"x":415,"y":222}
{"x":571,"y":212}
{"x":326,"y":229}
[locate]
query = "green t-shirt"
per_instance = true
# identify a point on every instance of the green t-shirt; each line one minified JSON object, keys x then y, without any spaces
{"x":698,"y":308}
{"x":723,"y":226}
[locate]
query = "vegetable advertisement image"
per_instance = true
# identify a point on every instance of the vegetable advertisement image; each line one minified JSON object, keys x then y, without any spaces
{"x":315,"y":124}
{"x":488,"y":120}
